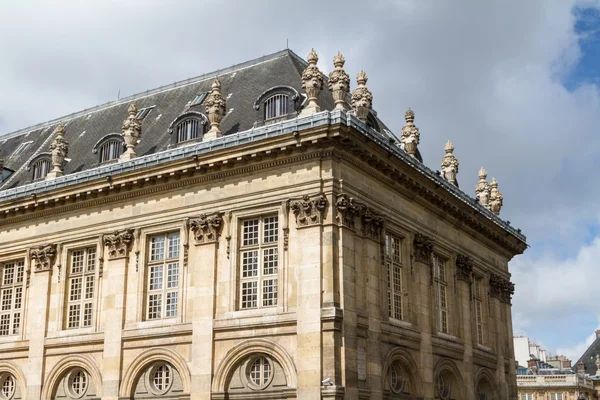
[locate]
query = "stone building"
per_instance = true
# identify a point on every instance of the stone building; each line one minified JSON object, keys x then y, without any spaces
{"x":259,"y":235}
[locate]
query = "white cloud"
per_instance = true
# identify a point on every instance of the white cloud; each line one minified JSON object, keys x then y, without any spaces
{"x":575,"y":351}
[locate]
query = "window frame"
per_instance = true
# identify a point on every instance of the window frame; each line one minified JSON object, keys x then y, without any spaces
{"x":395,"y":266}
{"x":478,"y":303}
{"x":441,"y":289}
{"x":13,"y":286}
{"x":293,"y":106}
{"x":35,"y":167}
{"x":260,"y":247}
{"x":116,"y":150}
{"x":278,"y":103}
{"x":20,"y":149}
{"x":164,"y":262}
{"x":85,"y":276}
{"x":190,"y":121}
{"x":202,"y":122}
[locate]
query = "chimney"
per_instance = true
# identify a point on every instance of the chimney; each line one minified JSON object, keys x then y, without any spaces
{"x":580,"y":367}
{"x":532,"y":365}
{"x":597,"y":333}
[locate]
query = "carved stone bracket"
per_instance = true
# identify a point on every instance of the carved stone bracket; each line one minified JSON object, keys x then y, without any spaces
{"x":207,"y":227}
{"x":423,"y":248}
{"x":347,"y":210}
{"x":372,"y":224}
{"x":464,"y":268}
{"x":309,"y":211}
{"x":118,"y":243}
{"x":501,"y":288}
{"x":43,"y":257}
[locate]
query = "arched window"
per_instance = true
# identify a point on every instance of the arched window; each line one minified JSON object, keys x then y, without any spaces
{"x":110,"y":150}
{"x":276,"y":106}
{"x":41,"y":168}
{"x":188,"y":129}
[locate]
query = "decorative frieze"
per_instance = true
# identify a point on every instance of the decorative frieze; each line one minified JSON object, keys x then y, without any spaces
{"x":501,"y":288}
{"x":207,"y":227}
{"x":43,"y":257}
{"x":423,"y":248}
{"x":464,"y":268}
{"x":309,"y":211}
{"x":118,"y":243}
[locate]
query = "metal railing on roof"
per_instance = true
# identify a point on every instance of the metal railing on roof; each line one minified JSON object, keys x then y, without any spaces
{"x":254,"y":135}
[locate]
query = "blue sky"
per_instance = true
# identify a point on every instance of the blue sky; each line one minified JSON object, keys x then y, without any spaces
{"x":513,"y":84}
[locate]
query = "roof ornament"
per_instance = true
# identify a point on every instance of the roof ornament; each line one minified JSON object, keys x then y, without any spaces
{"x":496,"y":198}
{"x":312,"y":83}
{"x":60,"y":149}
{"x":450,"y":164}
{"x":131,"y":131}
{"x":339,"y":82}
{"x":215,"y":108}
{"x":482,"y":189}
{"x":410,"y":134}
{"x":362,"y":99}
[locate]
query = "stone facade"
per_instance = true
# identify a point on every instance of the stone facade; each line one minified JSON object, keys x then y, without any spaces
{"x":304,"y":266}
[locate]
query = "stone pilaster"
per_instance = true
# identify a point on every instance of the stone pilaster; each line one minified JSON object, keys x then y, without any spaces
{"x":37,"y":307}
{"x":118,"y":245}
{"x":422,"y":259}
{"x":206,"y":232}
{"x":464,"y":279}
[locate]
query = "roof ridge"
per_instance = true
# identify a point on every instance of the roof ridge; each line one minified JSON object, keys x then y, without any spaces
{"x":175,"y":85}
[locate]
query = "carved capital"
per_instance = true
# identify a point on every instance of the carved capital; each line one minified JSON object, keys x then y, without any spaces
{"x":118,"y":243}
{"x":464,"y":268}
{"x":372,"y":223}
{"x":347,"y":210}
{"x":309,"y":211}
{"x":207,"y":227}
{"x":423,"y":248}
{"x":501,"y":288}
{"x":43,"y":257}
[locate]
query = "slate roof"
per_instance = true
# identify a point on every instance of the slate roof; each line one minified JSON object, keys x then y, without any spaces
{"x":242,"y":84}
{"x":589,"y":358}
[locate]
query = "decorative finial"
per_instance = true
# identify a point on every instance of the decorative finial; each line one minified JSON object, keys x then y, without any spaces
{"x":496,"y":198}
{"x":131,"y":131}
{"x":216,"y":107}
{"x":362,"y":98}
{"x":482,"y":189}
{"x":410,"y":134}
{"x":59,"y":148}
{"x":312,"y":83}
{"x":450,"y":164}
{"x":339,"y":83}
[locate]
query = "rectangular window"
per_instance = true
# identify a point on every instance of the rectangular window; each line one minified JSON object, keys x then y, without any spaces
{"x":527,"y":396}
{"x":478,"y":309}
{"x":11,"y":297}
{"x":393,"y":266}
{"x":441,"y":293}
{"x":259,"y":262}
{"x":163,"y":276}
{"x":556,"y":396}
{"x":81,"y":283}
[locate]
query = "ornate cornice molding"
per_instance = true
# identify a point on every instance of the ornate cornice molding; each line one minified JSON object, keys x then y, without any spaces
{"x":43,"y":257}
{"x":501,"y":288}
{"x":207,"y":227}
{"x":119,"y":243}
{"x":464,"y":268}
{"x":309,"y":210}
{"x":423,"y":248}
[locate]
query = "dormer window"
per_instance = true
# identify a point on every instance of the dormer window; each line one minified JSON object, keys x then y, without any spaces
{"x":110,"y":150}
{"x":198,"y":99}
{"x":110,"y":147}
{"x":41,"y":168}
{"x":144,"y":112}
{"x":276,"y":106}
{"x":188,"y":129}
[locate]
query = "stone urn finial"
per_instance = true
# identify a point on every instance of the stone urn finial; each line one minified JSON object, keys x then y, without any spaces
{"x":482,"y":189}
{"x":410,"y":134}
{"x":362,"y":99}
{"x":339,"y":83}
{"x":312,"y":83}
{"x":59,"y":149}
{"x":496,"y":198}
{"x":450,"y":164}
{"x":215,"y":108}
{"x":131,"y":131}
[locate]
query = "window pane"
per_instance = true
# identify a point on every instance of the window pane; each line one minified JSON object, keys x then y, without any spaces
{"x":91,"y":259}
{"x":75,"y":289}
{"x":249,"y":294}
{"x":173,"y":245}
{"x":77,"y":262}
{"x":157,"y":248}
{"x":250,"y":232}
{"x":9,"y":274}
{"x":89,"y":287}
{"x":87,"y":314}
{"x":6,"y":299}
{"x":271,"y":225}
{"x":16,"y":323}
{"x":156,"y":277}
{"x":173,"y":275}
{"x":249,"y":263}
{"x":269,"y":292}
{"x":270,"y":261}
{"x":172,"y":304}
{"x":18,"y":297}
{"x":154,"y":306}
{"x":74,"y":313}
{"x":20,"y":269}
{"x":4,"y":324}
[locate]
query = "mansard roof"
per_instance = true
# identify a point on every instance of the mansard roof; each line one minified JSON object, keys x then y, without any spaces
{"x":242,"y":84}
{"x":589,"y":358}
